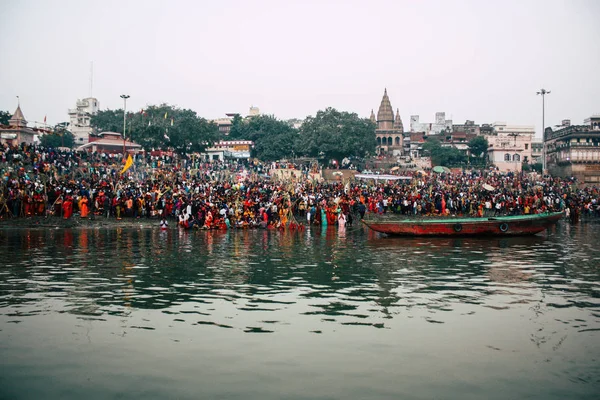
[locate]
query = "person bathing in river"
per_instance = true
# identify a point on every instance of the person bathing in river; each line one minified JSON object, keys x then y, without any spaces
{"x":164,"y":225}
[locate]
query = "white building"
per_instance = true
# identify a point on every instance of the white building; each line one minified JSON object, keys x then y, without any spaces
{"x":229,"y":149}
{"x":79,"y":119}
{"x":434,"y":128}
{"x":510,"y":146}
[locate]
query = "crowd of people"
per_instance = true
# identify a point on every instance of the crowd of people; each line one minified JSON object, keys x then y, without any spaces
{"x":243,"y":194}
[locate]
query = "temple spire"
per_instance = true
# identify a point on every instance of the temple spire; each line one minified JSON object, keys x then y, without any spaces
{"x":18,"y":119}
{"x":385,"y":112}
{"x":372,"y":116}
{"x":398,"y":121}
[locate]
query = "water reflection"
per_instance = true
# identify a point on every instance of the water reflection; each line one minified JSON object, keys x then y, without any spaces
{"x":351,"y":276}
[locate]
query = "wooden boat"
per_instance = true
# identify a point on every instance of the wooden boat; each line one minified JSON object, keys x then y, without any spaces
{"x":513,"y":225}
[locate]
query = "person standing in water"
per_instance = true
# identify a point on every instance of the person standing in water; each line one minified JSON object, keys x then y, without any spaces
{"x":163,"y":224}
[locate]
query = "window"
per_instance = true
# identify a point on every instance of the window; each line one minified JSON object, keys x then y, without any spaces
{"x":507,"y":157}
{"x":516,"y":157}
{"x":526,"y":146}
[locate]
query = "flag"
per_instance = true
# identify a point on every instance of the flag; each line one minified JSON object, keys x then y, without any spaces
{"x":44,"y":119}
{"x":165,"y":115}
{"x":128,"y":164}
{"x":171,"y":121}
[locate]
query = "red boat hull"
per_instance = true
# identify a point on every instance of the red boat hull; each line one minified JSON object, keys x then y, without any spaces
{"x":499,"y":226}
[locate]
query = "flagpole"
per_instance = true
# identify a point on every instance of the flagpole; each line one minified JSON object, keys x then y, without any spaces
{"x":124,"y":97}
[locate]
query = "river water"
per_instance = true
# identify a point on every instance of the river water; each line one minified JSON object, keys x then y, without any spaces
{"x":138,"y":313}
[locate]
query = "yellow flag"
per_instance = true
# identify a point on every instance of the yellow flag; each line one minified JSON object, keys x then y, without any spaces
{"x":128,"y":164}
{"x":165,"y":115}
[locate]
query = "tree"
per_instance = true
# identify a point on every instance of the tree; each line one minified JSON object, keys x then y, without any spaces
{"x":5,"y":116}
{"x":478,"y":146}
{"x":448,"y":156}
{"x":60,"y":137}
{"x":335,"y":134}
{"x":273,"y":139}
{"x":161,"y":126}
{"x":108,"y":121}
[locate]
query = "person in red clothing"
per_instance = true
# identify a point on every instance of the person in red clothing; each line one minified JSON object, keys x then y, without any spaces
{"x":67,"y":207}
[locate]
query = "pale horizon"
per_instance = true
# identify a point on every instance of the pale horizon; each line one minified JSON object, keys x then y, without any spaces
{"x":473,"y":60}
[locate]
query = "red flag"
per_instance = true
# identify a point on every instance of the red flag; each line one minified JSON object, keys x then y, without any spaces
{"x":44,"y":119}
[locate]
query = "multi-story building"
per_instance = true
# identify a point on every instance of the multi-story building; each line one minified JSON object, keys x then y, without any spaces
{"x":390,"y":131}
{"x":224,"y":124}
{"x":79,"y":119}
{"x":467,"y":127}
{"x":574,"y":151}
{"x":537,"y":146}
{"x":510,"y":145}
{"x":440,"y":125}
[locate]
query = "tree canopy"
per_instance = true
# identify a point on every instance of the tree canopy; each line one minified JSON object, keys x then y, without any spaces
{"x":162,"y":126}
{"x":58,"y":139}
{"x":334,"y":134}
{"x":478,"y":146}
{"x":443,"y":155}
{"x":4,"y":117}
{"x":273,"y":139}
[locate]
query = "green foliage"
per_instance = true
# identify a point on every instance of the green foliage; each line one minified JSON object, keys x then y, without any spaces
{"x":537,"y":167}
{"x":478,"y":146}
{"x":336,"y":134}
{"x":4,"y":117}
{"x":273,"y":139}
{"x":108,"y":121}
{"x":60,"y":138}
{"x":447,"y":156}
{"x":160,"y":126}
{"x":238,"y":128}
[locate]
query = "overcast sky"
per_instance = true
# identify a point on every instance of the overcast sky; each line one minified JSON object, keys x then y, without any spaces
{"x":478,"y":60}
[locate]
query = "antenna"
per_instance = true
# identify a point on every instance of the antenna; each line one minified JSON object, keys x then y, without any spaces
{"x":91,"y":77}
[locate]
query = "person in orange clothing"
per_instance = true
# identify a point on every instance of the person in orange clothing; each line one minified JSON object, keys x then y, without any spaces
{"x":84,"y":210}
{"x":67,"y":207}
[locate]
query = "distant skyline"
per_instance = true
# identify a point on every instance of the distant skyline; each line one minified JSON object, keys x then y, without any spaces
{"x":475,"y":60}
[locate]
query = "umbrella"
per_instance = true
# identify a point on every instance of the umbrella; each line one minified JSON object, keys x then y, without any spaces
{"x":488,"y":187}
{"x":395,"y":169}
{"x":439,"y":169}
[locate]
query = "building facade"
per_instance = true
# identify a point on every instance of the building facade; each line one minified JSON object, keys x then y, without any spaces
{"x":467,"y":127}
{"x":229,"y":150}
{"x":510,"y":146}
{"x":390,"y":130}
{"x":537,"y":149}
{"x":79,"y":119}
{"x":574,"y":151}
